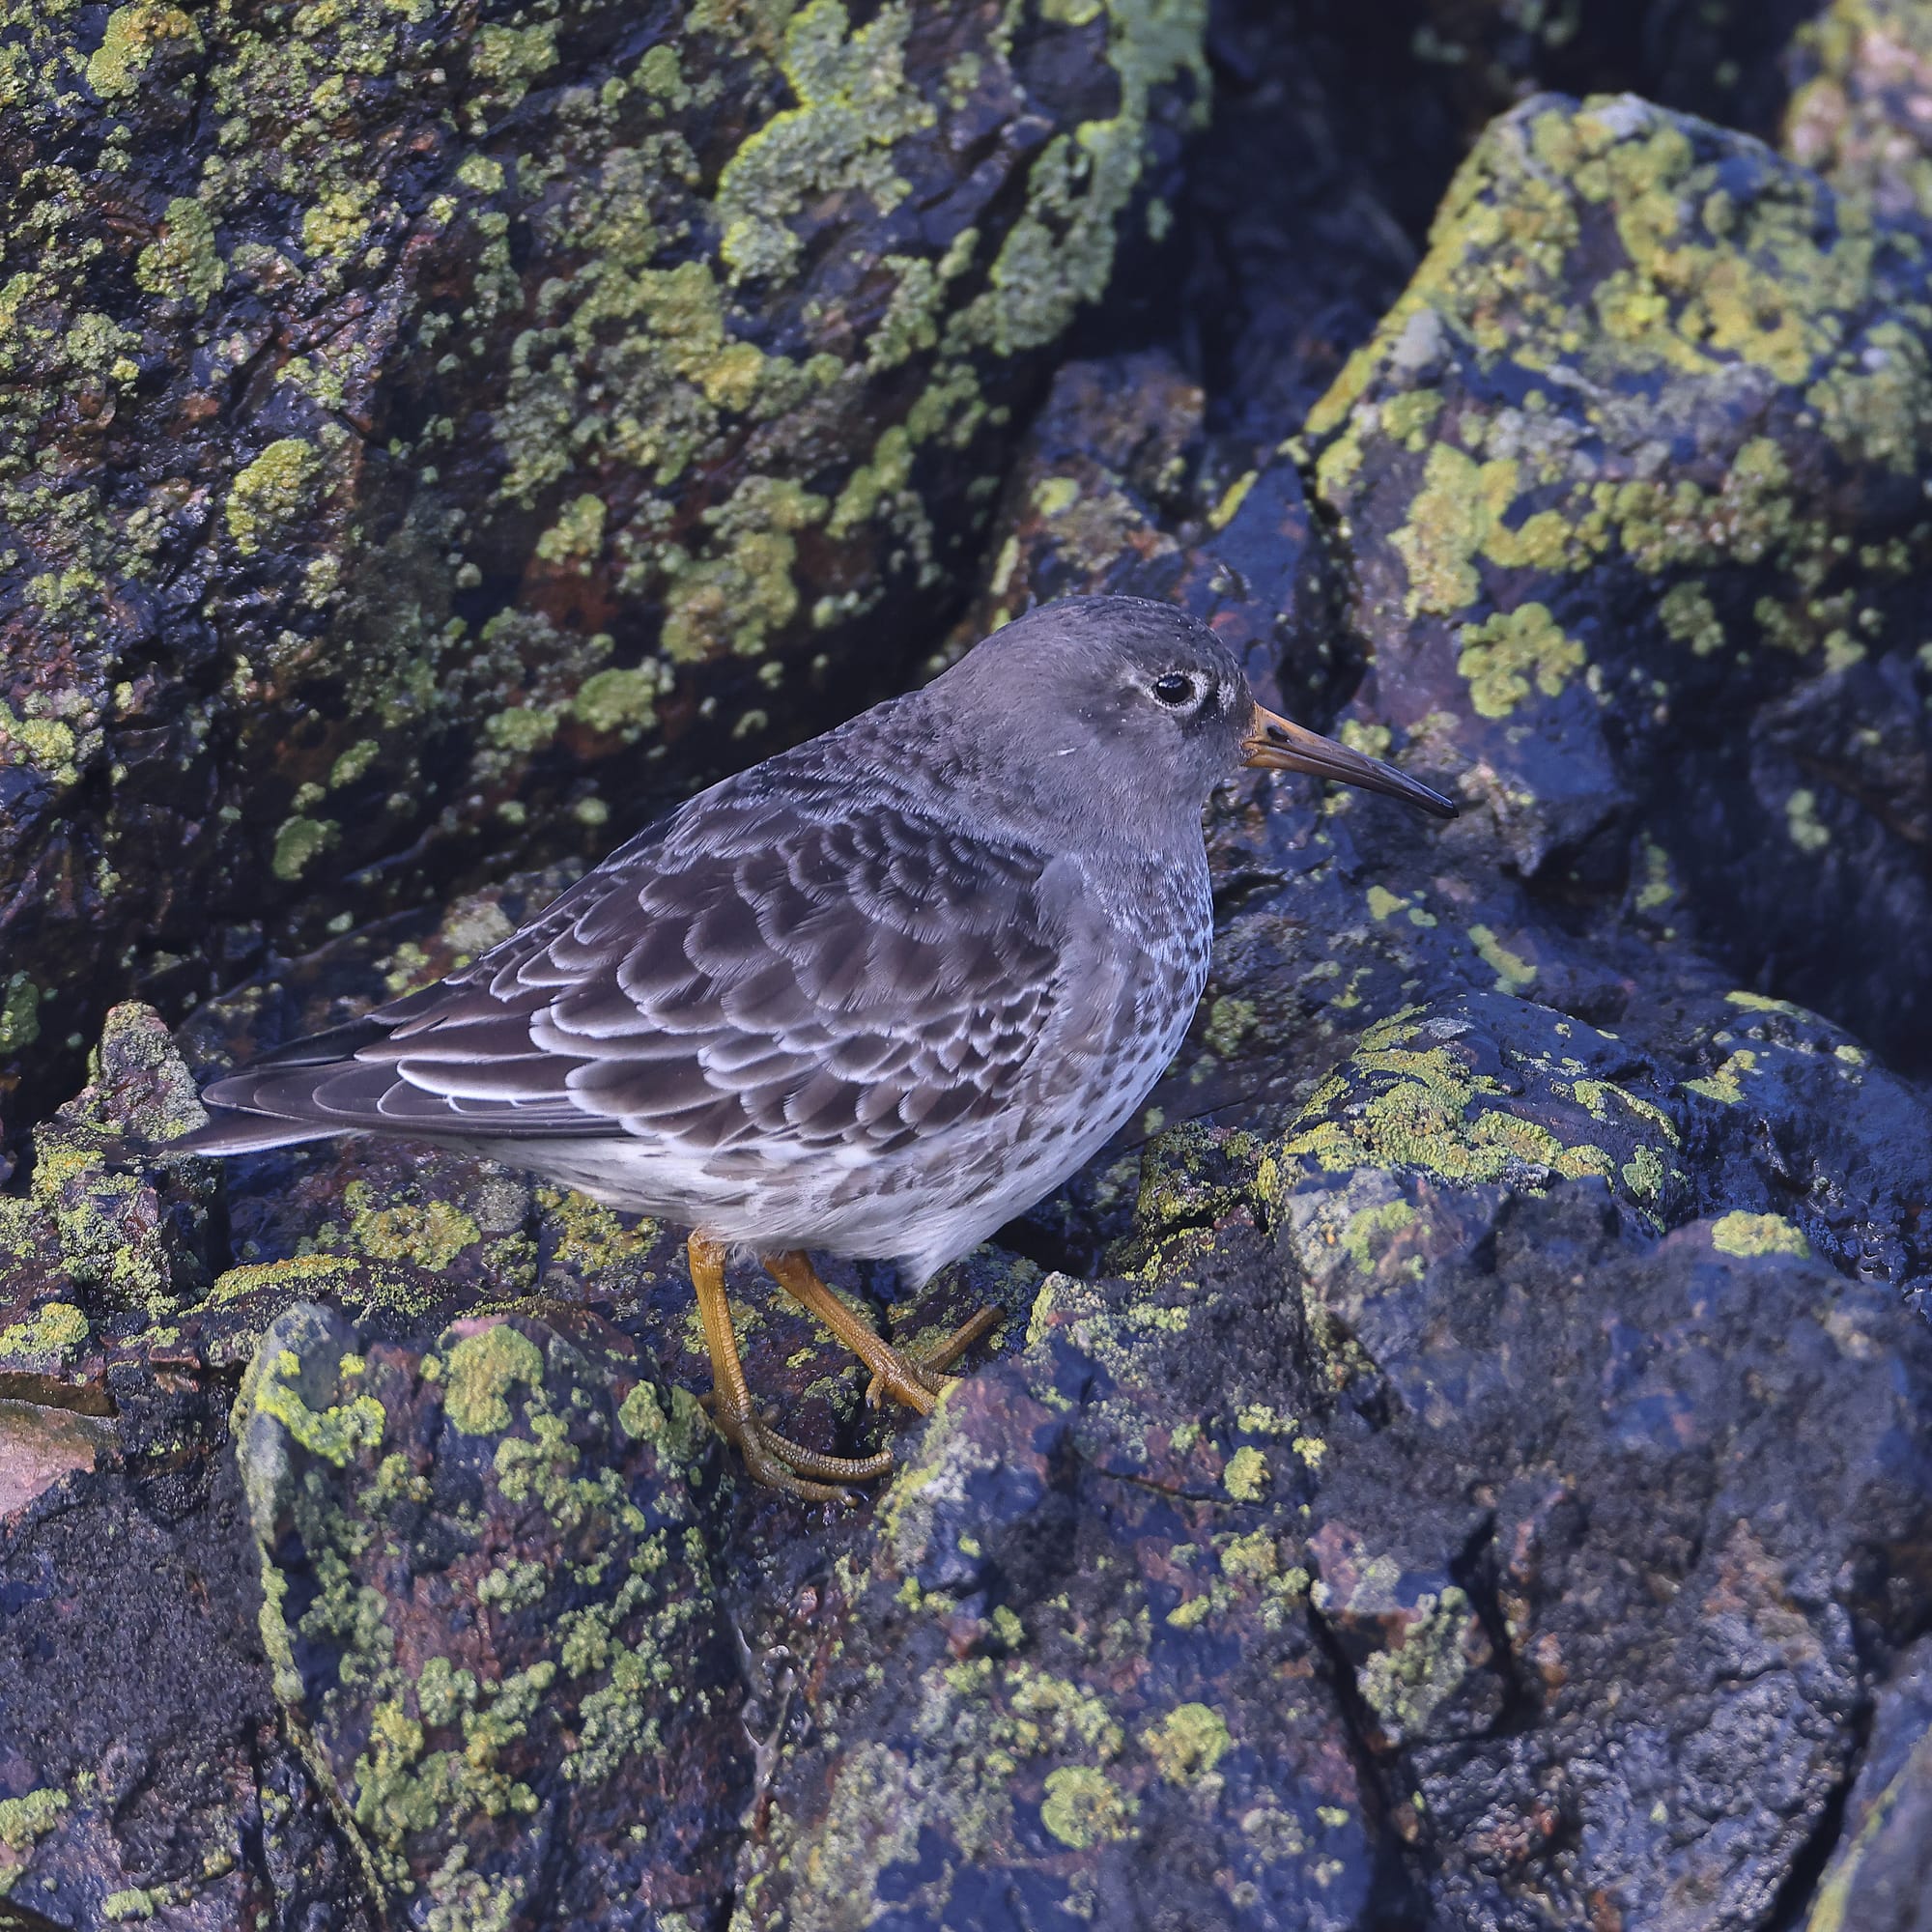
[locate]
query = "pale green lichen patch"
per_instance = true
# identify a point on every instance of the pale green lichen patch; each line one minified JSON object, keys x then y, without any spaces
{"x":1084,"y":1807}
{"x":298,"y":842}
{"x":1401,"y":1104}
{"x":1512,"y":972}
{"x":1607,"y":286}
{"x":183,"y":264}
{"x":272,"y":492}
{"x":1741,"y":1233}
{"x":1188,"y":1742}
{"x":1509,"y":655}
{"x":115,"y":67}
{"x":337,"y":1433}
{"x":53,"y":1330}
{"x":854,"y":103}
{"x":23,"y":1822}
{"x":479,"y":1373}
{"x":1246,"y":1476}
{"x":1407,"y":1683}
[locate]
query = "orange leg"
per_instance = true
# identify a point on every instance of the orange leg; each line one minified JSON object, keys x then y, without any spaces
{"x":771,"y":1457}
{"x":911,"y":1380}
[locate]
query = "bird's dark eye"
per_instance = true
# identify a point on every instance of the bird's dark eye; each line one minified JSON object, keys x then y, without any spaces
{"x":1175,"y":687}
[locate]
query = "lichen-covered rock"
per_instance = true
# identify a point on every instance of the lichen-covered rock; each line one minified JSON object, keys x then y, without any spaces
{"x":489,"y":1603}
{"x":1858,"y":112}
{"x":1876,"y":1880}
{"x":1633,"y":479}
{"x":1770,"y":1122}
{"x":101,"y":1249}
{"x":1077,"y":1678}
{"x":143,"y":1771}
{"x":432,"y":428}
{"x":1191,"y":1614}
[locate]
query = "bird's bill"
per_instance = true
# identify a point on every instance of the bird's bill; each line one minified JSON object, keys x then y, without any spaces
{"x":1275,"y":745}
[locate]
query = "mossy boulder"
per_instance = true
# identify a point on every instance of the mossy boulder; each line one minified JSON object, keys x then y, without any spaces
{"x":432,"y":431}
{"x":1154,"y":1598}
{"x":488,"y":1602}
{"x":1634,"y":480}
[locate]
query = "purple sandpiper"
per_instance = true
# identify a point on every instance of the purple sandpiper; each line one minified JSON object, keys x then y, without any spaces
{"x":873,"y":997}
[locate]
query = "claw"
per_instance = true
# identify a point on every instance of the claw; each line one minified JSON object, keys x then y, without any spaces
{"x":781,"y":1463}
{"x":770,"y":1457}
{"x":928,"y":1371}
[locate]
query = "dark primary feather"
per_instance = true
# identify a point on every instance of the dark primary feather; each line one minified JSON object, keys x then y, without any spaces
{"x":782,"y":963}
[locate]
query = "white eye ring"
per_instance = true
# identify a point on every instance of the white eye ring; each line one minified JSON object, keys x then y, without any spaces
{"x":1175,"y":687}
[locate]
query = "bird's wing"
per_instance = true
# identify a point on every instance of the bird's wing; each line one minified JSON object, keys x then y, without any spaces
{"x":797,"y":973}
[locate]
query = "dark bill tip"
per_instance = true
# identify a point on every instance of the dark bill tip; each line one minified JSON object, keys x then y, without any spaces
{"x":1277,"y":744}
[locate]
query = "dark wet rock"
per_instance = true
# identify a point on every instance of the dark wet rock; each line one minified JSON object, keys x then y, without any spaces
{"x":1172,"y":1622}
{"x":1876,"y":1880}
{"x":145,"y":1769}
{"x":489,"y":1603}
{"x":430,"y":432}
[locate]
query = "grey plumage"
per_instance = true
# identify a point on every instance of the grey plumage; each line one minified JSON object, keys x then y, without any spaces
{"x":874,"y":996}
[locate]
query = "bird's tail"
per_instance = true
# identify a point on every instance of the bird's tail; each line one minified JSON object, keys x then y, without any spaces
{"x":229,"y":1132}
{"x":239,"y":1123}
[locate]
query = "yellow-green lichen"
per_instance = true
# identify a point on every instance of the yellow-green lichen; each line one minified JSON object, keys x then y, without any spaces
{"x":1371,"y":1231}
{"x":115,"y":67}
{"x":1188,"y":1742}
{"x":23,"y":1822}
{"x":1726,"y":1085}
{"x":54,"y":1328}
{"x":1246,"y":1476}
{"x":1806,"y":831}
{"x":337,"y":1433}
{"x":1741,"y":1233}
{"x":1083,"y":1807}
{"x":479,"y":1373}
{"x":272,"y":492}
{"x":622,"y":700}
{"x":184,"y":263}
{"x":854,"y":103}
{"x":298,"y":842}
{"x":1512,"y":972}
{"x":1507,"y":655}
{"x":1407,"y":1683}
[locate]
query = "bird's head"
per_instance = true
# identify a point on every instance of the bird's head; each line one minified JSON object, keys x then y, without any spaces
{"x":1128,"y":696}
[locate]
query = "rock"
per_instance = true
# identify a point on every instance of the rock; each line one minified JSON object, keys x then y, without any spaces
{"x":1464,"y":1457}
{"x":144,"y":1771}
{"x":338,"y":568}
{"x":103,"y":1247}
{"x":1877,"y":1875}
{"x":1643,"y":449}
{"x":489,"y":1601}
{"x":1154,"y":1602}
{"x":1858,"y":110}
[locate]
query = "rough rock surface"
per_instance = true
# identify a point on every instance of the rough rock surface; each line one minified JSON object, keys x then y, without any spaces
{"x":1463,"y":1460}
{"x":428,"y":430}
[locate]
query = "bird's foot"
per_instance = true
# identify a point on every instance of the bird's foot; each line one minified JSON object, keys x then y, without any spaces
{"x":916,"y":1381}
{"x":781,"y":1463}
